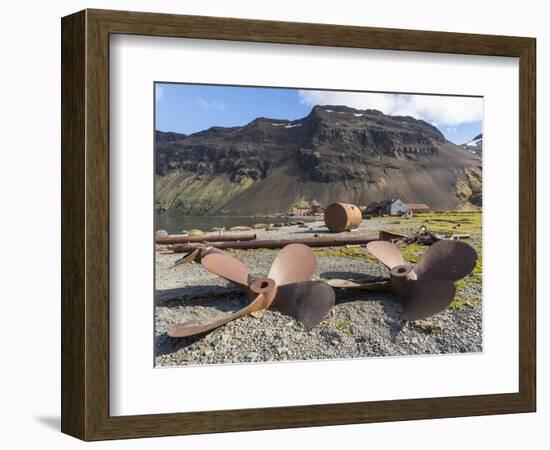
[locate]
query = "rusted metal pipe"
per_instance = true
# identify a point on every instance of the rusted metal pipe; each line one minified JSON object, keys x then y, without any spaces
{"x":280,"y":243}
{"x":183,"y":238}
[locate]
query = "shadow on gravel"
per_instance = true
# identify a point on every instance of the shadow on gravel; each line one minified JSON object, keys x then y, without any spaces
{"x":165,"y":345}
{"x":220,"y":306}
{"x":190,"y":295}
{"x":222,"y":300}
{"x":391,"y":305}
{"x":225,"y":302}
{"x":353,"y":276}
{"x":396,"y":328}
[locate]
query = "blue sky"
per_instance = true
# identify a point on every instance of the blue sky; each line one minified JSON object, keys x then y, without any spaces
{"x":188,"y":108}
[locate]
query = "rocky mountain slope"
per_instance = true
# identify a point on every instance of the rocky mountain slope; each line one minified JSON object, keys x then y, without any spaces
{"x":335,"y":153}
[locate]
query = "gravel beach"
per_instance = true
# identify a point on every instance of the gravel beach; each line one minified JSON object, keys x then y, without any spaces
{"x":362,"y":324}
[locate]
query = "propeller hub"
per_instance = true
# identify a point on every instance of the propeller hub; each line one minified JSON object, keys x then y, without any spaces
{"x":401,"y":271}
{"x":400,"y":280}
{"x":265,"y":287}
{"x":262,"y":285}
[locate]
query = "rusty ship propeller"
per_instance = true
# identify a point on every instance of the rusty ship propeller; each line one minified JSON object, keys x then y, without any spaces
{"x":287,"y":288}
{"x":426,"y":289}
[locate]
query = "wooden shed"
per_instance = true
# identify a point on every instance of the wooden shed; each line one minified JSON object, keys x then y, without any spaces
{"x":417,"y":207}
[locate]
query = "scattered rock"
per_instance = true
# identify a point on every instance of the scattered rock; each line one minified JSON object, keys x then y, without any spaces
{"x":160,"y":234}
{"x":240,"y":228}
{"x":195,"y":232}
{"x":259,"y":226}
{"x":217,"y":343}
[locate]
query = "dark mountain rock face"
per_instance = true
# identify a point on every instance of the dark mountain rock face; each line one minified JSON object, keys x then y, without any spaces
{"x":335,"y":153}
{"x":475,"y":145}
{"x":168,"y":136}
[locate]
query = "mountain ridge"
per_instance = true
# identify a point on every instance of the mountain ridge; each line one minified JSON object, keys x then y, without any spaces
{"x":335,"y":153}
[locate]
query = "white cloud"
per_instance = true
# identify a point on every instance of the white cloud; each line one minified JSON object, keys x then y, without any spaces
{"x":158,"y":92}
{"x":211,"y":104}
{"x":452,"y":129}
{"x":443,"y":110}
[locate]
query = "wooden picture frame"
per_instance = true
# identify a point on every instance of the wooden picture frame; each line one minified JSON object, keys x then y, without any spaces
{"x":85,"y":224}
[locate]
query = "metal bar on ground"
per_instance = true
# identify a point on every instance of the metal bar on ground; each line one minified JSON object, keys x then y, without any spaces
{"x":279,"y":243}
{"x":183,"y":238}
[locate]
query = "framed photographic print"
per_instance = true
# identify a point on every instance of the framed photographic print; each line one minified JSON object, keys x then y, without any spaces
{"x":255,"y":211}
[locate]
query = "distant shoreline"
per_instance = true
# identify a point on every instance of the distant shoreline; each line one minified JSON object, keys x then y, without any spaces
{"x":176,"y":222}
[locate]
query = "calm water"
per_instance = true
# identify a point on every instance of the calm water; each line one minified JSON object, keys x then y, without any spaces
{"x":175,"y":222}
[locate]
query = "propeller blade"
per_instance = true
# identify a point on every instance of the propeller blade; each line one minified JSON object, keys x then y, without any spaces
{"x":198,"y":254}
{"x":446,"y":260}
{"x":194,"y":327}
{"x":209,"y":249}
{"x":294,"y":263}
{"x":190,"y":257}
{"x":387,"y":253}
{"x":309,"y":302}
{"x":348,"y":284}
{"x":427,"y":298}
{"x":224,"y":265}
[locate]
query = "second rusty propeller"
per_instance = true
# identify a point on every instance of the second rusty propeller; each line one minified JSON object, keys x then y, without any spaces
{"x":426,"y":289}
{"x":287,"y":288}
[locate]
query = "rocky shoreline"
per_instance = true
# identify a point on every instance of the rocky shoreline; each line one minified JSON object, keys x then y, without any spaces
{"x":362,"y":324}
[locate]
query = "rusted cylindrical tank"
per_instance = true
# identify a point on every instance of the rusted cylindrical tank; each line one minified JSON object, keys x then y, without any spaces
{"x":342,"y":217}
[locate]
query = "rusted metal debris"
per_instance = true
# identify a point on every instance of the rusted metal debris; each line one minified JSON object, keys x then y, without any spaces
{"x":287,"y":288}
{"x":390,"y":236}
{"x":342,"y":217}
{"x":278,"y":243}
{"x":422,"y":236}
{"x":426,"y":289}
{"x":221,"y":237}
